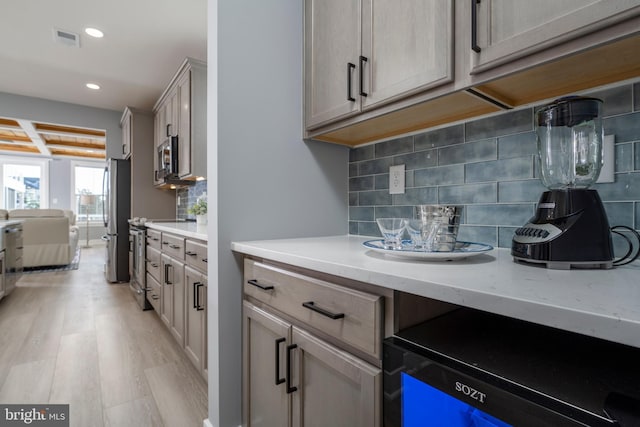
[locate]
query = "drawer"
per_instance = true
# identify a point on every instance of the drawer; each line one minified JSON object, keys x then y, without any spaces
{"x":154,"y":292}
{"x":195,"y":255}
{"x":173,"y":245}
{"x":351,"y":316}
{"x":153,"y":263}
{"x":153,"y":239}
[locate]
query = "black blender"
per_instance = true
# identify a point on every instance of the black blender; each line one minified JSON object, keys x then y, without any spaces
{"x":570,"y":228}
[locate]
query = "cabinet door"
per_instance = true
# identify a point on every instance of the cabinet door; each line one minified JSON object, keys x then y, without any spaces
{"x":266,"y":337}
{"x":172,"y":310}
{"x":510,"y":29}
{"x":196,"y":306}
{"x":126,"y":135}
{"x":158,"y":120}
{"x":332,"y":42}
{"x":334,"y":388}
{"x":166,"y":300}
{"x":184,"y":124}
{"x":408,"y":47}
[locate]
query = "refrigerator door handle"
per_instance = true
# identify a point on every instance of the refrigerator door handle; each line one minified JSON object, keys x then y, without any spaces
{"x":104,"y":195}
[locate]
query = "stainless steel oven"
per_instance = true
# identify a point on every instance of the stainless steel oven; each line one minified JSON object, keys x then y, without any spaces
{"x":469,"y":368}
{"x":137,"y":259}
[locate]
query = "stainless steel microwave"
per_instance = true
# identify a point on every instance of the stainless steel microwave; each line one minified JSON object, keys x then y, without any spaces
{"x":168,"y":159}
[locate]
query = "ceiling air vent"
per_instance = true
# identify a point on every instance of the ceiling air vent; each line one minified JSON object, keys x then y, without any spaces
{"x":66,"y":38}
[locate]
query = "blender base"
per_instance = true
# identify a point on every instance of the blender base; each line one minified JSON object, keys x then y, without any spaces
{"x":569,"y":230}
{"x":565,"y":265}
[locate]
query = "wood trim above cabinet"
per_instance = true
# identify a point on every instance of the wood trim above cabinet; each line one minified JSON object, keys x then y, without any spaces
{"x":447,"y":109}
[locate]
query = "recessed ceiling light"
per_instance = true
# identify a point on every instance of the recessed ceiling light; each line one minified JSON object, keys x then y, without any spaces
{"x":93,"y":86}
{"x":94,"y":32}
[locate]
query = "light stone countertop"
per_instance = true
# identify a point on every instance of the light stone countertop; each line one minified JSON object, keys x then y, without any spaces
{"x":599,"y":303}
{"x":182,"y":228}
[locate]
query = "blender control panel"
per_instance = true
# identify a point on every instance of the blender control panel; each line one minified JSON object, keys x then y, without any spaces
{"x":536,"y":233}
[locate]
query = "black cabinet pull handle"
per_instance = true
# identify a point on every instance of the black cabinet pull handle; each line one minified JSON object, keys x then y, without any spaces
{"x":255,"y":283}
{"x":195,"y":295}
{"x":198,"y":286}
{"x":289,"y":388}
{"x":168,"y":126}
{"x":190,"y":253}
{"x":363,"y":59}
{"x":123,"y":149}
{"x":174,"y":246}
{"x":349,"y":67}
{"x":166,"y":274}
{"x":312,"y":306}
{"x":278,"y":379}
{"x":205,"y":260}
{"x":474,"y":26}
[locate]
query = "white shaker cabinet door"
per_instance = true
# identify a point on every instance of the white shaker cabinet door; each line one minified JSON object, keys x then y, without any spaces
{"x":333,"y":388}
{"x":407,"y":47}
{"x":506,"y":30}
{"x":332,"y":48}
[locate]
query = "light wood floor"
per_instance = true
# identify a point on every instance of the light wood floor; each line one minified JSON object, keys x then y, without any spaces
{"x":70,"y":337}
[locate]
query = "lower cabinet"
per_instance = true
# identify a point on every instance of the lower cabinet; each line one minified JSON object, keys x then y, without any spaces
{"x":292,"y":377}
{"x":172,"y":310}
{"x":177,"y":290}
{"x":195,"y":342}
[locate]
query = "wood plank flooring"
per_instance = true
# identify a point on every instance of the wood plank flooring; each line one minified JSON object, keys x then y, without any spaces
{"x":71,"y":337}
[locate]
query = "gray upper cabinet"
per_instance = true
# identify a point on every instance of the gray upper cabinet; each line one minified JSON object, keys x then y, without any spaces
{"x":125,"y":123}
{"x":332,"y":48}
{"x":182,"y":111}
{"x":407,"y":47}
{"x":360,"y":54}
{"x":510,"y":29}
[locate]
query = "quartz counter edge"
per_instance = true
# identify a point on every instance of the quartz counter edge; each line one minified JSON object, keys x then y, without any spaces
{"x":186,"y":229}
{"x":600,"y":303}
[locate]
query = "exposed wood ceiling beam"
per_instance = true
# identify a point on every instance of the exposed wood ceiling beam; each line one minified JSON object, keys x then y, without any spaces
{"x":9,"y":124}
{"x":70,"y":131}
{"x":20,"y":148}
{"x":31,"y":132}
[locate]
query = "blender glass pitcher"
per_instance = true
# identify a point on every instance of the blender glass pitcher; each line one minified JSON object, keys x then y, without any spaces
{"x":570,"y":136}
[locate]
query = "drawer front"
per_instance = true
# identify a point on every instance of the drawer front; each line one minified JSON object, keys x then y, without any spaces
{"x":153,"y":262}
{"x":173,"y":245}
{"x":153,"y":239}
{"x":154,"y":292}
{"x":351,"y":316}
{"x":196,"y":255}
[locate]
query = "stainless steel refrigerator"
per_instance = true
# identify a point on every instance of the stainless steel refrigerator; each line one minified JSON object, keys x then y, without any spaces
{"x":116,"y":209}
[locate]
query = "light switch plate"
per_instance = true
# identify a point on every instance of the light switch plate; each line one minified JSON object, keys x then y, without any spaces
{"x":608,"y":160}
{"x":396,"y":179}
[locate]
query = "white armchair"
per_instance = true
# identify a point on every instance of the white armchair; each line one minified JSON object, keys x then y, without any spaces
{"x":50,"y":236}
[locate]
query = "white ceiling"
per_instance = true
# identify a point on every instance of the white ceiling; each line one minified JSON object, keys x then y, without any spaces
{"x":144,"y":44}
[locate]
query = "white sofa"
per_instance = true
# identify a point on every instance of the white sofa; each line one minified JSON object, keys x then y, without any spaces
{"x":50,"y":236}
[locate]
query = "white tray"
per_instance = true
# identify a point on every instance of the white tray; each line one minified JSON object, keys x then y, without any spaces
{"x":462,"y":250}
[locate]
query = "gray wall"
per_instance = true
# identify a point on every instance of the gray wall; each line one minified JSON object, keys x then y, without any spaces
{"x":266,"y":181}
{"x":490,"y":166}
{"x":60,"y":184}
{"x":62,"y":113}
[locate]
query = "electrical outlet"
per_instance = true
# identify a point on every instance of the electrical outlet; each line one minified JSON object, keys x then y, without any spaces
{"x":608,"y":160}
{"x":396,"y":179}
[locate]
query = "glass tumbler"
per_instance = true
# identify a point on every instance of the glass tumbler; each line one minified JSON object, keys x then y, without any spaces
{"x":392,"y":230}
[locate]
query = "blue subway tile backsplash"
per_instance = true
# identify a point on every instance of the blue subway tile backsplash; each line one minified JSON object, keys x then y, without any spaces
{"x":188,"y":196}
{"x":490,"y":166}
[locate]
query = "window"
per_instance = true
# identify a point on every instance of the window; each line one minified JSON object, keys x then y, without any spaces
{"x":87,"y":190}
{"x":24,"y":183}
